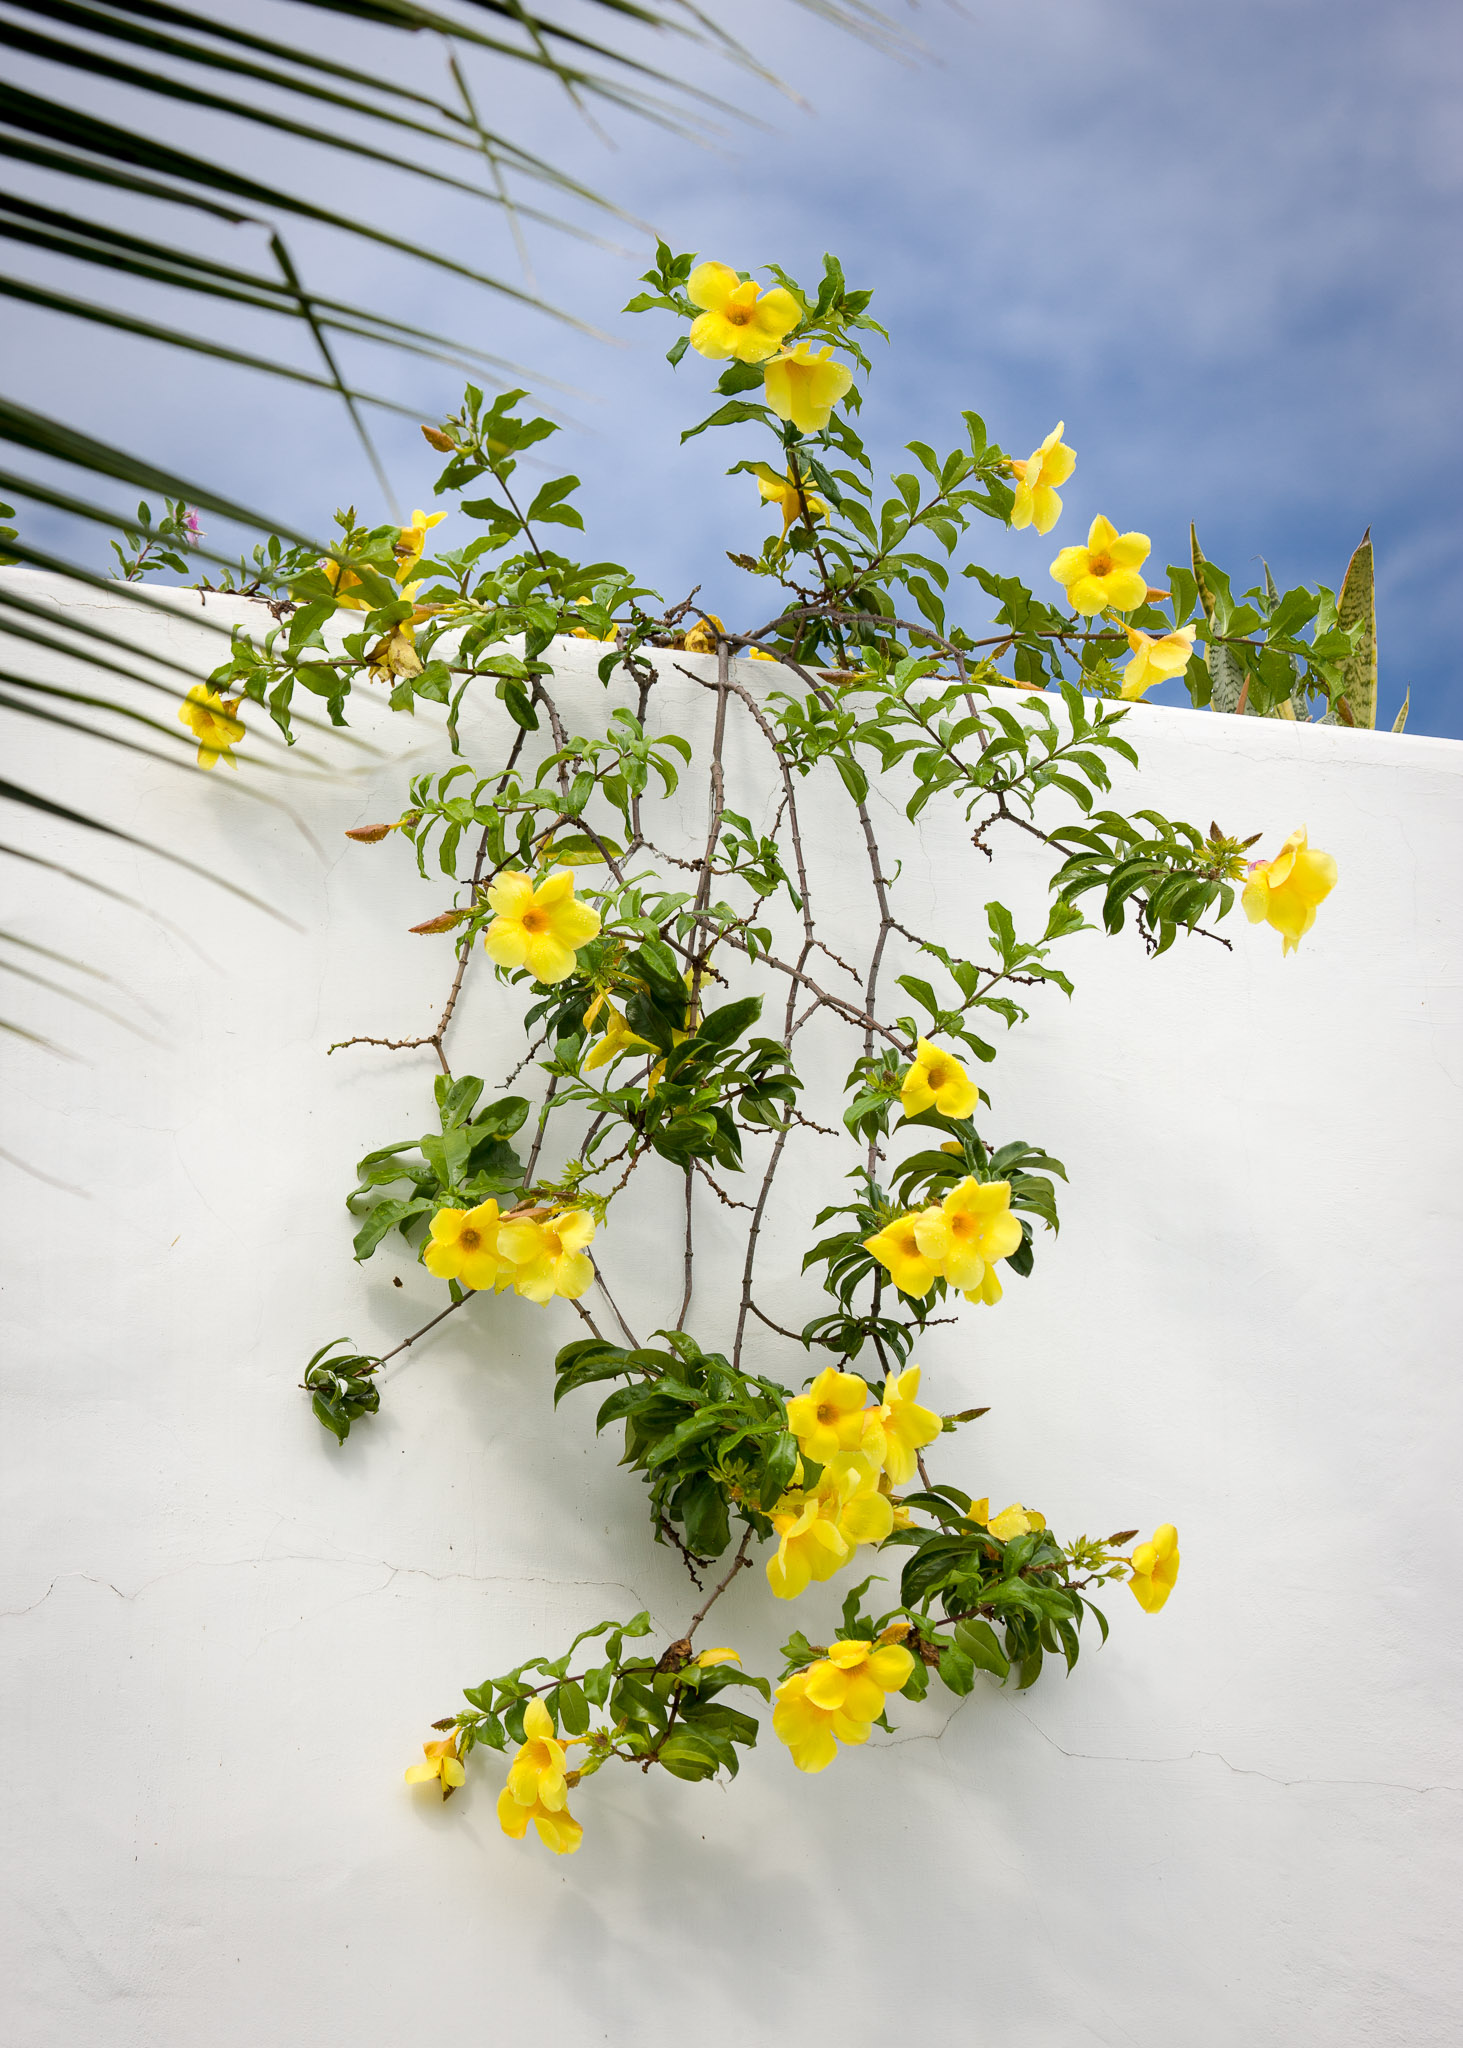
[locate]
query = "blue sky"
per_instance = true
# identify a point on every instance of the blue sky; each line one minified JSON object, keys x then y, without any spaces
{"x":1221,"y":244}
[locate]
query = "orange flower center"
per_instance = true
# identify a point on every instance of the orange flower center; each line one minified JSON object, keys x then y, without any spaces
{"x":827,"y":1412}
{"x":469,"y":1239}
{"x":534,"y":920}
{"x":1099,"y":565}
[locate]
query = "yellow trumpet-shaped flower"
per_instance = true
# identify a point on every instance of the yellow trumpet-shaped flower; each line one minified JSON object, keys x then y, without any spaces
{"x":737,"y":319}
{"x":1153,"y":661}
{"x":899,"y":1427}
{"x":829,"y":1418}
{"x":540,"y":927}
{"x":411,"y":541}
{"x":709,"y":1659}
{"x":1009,"y":1523}
{"x":443,"y":1766}
{"x":818,"y":1532}
{"x":972,"y":1228}
{"x":538,"y":1787}
{"x":1103,"y":576}
{"x":1284,"y":892}
{"x":1037,"y":503}
{"x":538,"y":1771}
{"x":210,"y":718}
{"x":897,"y":1249}
{"x":464,"y":1247}
{"x":790,"y":497}
{"x":618,"y":1038}
{"x":1155,"y":1568}
{"x":549,"y":1254}
{"x":557,"y":1828}
{"x":937,"y":1081}
{"x":803,"y":388}
{"x":837,"y":1699}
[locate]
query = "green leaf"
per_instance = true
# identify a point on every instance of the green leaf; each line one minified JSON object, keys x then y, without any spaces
{"x":1357,"y":605}
{"x":982,"y":1646}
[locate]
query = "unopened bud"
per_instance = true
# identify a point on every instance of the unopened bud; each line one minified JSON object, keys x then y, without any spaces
{"x":435,"y":438}
{"x":369,"y":835}
{"x":1123,"y":1536}
{"x":442,"y":923}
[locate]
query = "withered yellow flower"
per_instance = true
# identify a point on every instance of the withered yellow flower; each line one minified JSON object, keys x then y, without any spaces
{"x":736,"y":319}
{"x":210,"y":718}
{"x":1155,"y":1568}
{"x":803,"y":388}
{"x":1037,"y":503}
{"x":1284,"y":892}
{"x":1103,"y":576}
{"x":443,"y":1766}
{"x":540,"y":927}
{"x":1153,"y":661}
{"x":937,"y":1081}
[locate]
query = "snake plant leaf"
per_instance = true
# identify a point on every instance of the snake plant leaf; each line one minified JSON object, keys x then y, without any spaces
{"x":1226,"y":675}
{"x":1399,"y":723}
{"x":1358,"y":606}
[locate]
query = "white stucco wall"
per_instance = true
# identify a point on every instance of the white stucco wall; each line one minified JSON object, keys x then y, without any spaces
{"x":224,"y":1638}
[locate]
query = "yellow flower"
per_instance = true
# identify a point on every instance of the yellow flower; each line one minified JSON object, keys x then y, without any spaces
{"x":972,"y":1228}
{"x":1155,"y":660}
{"x":618,"y":1038}
{"x":1155,"y":1568}
{"x":210,"y":718}
{"x":1037,"y":503}
{"x":820,"y":1531}
{"x":538,"y":1787}
{"x":804,"y":388}
{"x":395,"y":654}
{"x":1009,"y":1523}
{"x":1104,"y":575}
{"x":557,"y":1828}
{"x":897,"y":1249}
{"x":829,"y":1418}
{"x":1284,"y":892}
{"x":464,"y":1247}
{"x":443,"y":1765}
{"x":736,"y":319}
{"x":702,"y":637}
{"x":538,"y":1771}
{"x":784,"y":491}
{"x":900,"y":1427}
{"x":837,"y":1699}
{"x":937,"y":1081}
{"x":411,"y":541}
{"x":540,"y":928}
{"x":710,"y":1658}
{"x":549,"y":1254}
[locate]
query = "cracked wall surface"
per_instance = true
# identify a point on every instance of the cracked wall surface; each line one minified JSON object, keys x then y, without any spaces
{"x":224,"y":1637}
